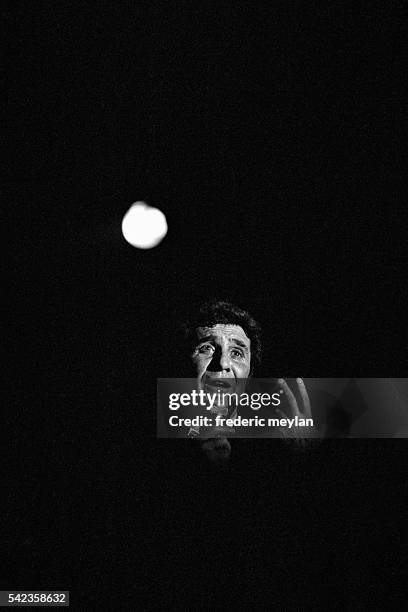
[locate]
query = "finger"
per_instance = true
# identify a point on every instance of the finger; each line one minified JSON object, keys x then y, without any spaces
{"x":217,"y":450}
{"x":307,"y":410}
{"x":285,"y":431}
{"x":291,"y":398}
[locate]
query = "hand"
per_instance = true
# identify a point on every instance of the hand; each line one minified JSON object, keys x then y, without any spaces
{"x":218,"y":450}
{"x":303,"y":412}
{"x":216,"y":446}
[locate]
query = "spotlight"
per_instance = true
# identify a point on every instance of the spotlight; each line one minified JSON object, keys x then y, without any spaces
{"x":143,"y":226}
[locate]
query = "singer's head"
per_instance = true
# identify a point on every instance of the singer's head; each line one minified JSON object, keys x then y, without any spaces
{"x":223,"y":342}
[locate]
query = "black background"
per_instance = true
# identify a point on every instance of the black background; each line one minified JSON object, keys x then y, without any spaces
{"x":270,"y":136}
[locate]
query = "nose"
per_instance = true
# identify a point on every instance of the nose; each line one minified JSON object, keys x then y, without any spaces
{"x":224,"y":361}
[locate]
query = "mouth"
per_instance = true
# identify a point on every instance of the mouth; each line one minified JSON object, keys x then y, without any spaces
{"x":218,"y":383}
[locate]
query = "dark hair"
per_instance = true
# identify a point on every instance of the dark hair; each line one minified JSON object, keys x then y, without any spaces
{"x":215,"y":312}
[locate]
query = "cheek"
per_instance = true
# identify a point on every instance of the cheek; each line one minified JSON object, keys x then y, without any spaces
{"x":243,"y":370}
{"x":200,"y":363}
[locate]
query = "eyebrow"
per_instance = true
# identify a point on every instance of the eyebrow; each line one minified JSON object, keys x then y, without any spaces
{"x":232,"y":340}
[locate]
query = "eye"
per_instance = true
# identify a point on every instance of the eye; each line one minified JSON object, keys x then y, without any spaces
{"x":205,"y":349}
{"x":237,"y":354}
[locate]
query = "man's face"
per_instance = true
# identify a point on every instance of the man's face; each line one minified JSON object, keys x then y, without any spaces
{"x":222,"y":353}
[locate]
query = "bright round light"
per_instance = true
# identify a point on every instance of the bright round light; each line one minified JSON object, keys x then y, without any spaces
{"x":143,"y":226}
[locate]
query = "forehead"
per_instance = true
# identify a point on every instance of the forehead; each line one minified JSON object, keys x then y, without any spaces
{"x":224,"y":331}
